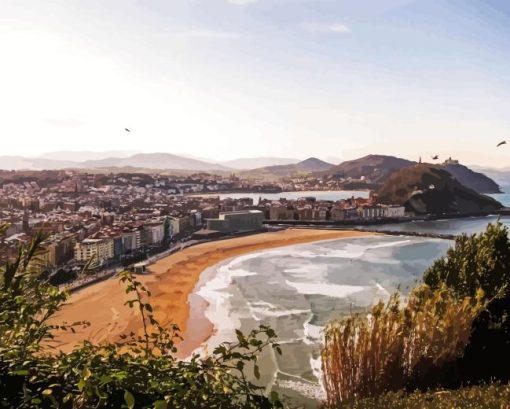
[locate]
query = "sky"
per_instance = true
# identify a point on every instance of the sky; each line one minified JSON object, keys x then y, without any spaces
{"x":222,"y":79}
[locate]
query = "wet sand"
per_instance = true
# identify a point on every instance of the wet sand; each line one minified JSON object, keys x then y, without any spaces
{"x":171,"y":281}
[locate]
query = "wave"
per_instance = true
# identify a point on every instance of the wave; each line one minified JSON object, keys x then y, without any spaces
{"x":281,"y":293}
{"x":215,"y":291}
{"x":330,"y":290}
{"x":312,"y":333}
{"x":260,"y":310}
{"x":391,"y":244}
{"x":309,"y":389}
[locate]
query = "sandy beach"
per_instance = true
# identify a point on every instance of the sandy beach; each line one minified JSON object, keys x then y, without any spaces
{"x":171,"y":280}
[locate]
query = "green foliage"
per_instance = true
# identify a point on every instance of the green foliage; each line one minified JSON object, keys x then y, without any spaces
{"x":477,"y":261}
{"x":139,"y":371}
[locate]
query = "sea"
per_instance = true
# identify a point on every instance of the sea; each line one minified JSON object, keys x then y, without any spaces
{"x":319,"y":195}
{"x":298,"y":289}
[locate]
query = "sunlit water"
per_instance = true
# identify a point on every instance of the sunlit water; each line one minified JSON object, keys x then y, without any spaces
{"x":319,"y":195}
{"x":298,"y":289}
{"x":468,"y":225}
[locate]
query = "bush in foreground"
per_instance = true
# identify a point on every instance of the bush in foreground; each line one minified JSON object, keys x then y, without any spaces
{"x":139,"y":371}
{"x":393,"y":347}
{"x":479,"y":261}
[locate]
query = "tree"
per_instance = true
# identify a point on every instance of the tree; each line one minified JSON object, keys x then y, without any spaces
{"x":476,"y":261}
{"x":480,"y":261}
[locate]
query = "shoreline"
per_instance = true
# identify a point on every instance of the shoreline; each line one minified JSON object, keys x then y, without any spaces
{"x":172,"y":281}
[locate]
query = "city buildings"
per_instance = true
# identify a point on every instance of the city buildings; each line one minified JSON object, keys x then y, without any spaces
{"x":123,"y":217}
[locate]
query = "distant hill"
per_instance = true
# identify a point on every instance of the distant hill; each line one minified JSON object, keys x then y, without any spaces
{"x":474,"y":180}
{"x":306,"y":166}
{"x":500,"y":175}
{"x":22,"y":163}
{"x":428,"y":189}
{"x":374,"y":167}
{"x":255,"y":163}
{"x":82,"y":156}
{"x":377,"y":169}
{"x":161,"y":161}
{"x":154,"y":161}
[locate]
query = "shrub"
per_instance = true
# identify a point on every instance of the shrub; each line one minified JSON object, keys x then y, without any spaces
{"x":476,"y":261}
{"x":394,"y":346}
{"x":137,"y":371}
{"x":479,"y":261}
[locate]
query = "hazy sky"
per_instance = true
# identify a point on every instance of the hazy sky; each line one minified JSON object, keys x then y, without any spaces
{"x":239,"y":78}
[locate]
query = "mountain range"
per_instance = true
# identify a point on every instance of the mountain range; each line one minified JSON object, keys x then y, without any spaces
{"x":124,"y":159}
{"x":140,"y":160}
{"x":82,"y":156}
{"x":376,"y":168}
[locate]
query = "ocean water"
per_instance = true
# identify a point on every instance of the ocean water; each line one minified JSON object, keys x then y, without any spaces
{"x":503,"y":198}
{"x":319,"y":195}
{"x":467,"y":225}
{"x":298,"y":289}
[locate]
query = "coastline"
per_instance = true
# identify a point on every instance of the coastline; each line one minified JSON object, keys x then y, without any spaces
{"x":171,"y":280}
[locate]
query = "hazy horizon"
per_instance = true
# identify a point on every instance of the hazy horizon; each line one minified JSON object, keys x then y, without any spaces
{"x":225,"y":79}
{"x":84,"y":156}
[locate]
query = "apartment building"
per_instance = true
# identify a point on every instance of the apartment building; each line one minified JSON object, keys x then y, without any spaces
{"x":99,"y":250}
{"x":153,"y":233}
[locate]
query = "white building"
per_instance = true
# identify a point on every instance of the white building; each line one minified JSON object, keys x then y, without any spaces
{"x":371,"y":212}
{"x":395,"y":211}
{"x":97,"y":250}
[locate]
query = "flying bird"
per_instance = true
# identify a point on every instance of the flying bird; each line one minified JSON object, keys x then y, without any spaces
{"x":501,"y":143}
{"x":127,"y":130}
{"x":435,"y":157}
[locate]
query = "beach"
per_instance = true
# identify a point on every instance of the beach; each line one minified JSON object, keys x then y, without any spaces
{"x":171,"y":281}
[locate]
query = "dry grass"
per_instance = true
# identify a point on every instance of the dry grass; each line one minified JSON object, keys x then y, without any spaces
{"x":366,"y":356}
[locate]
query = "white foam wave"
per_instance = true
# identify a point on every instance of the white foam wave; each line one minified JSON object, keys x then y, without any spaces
{"x":390,"y":244}
{"x":381,"y":291}
{"x":312,"y":333}
{"x":308,"y":389}
{"x":306,"y":270}
{"x":330,"y":290}
{"x":261,"y":310}
{"x":316,"y":365}
{"x":219,"y":310}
